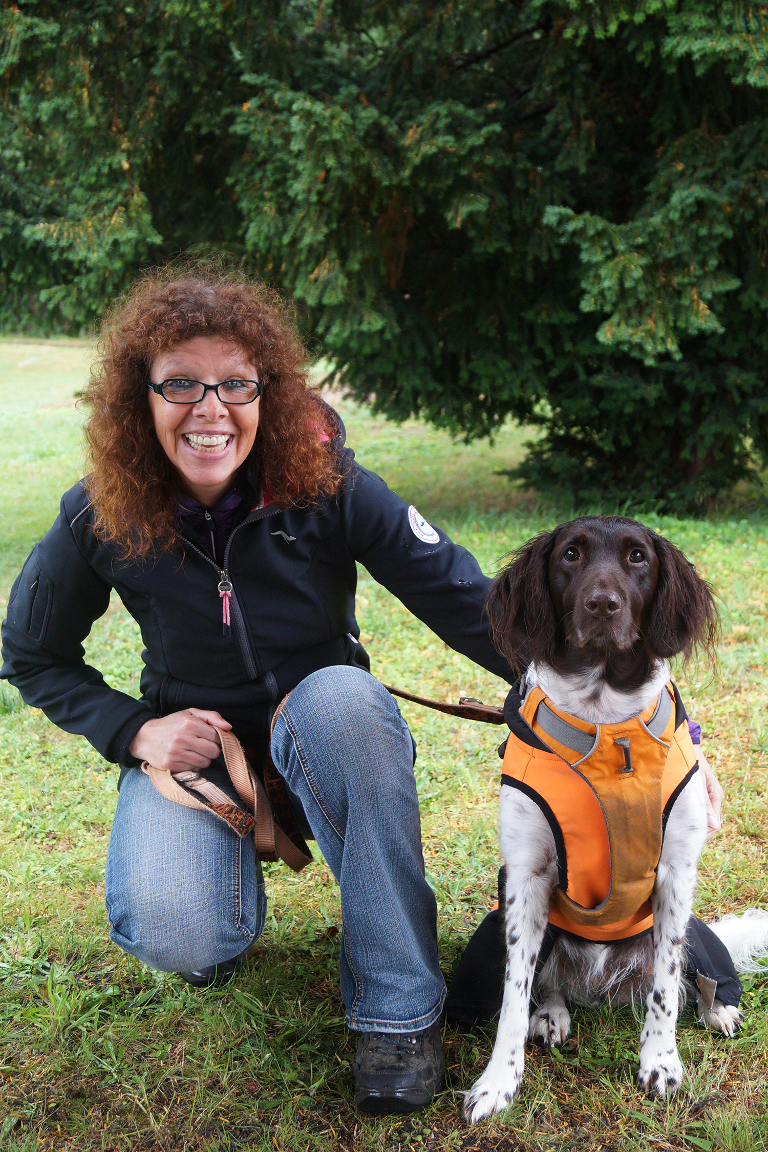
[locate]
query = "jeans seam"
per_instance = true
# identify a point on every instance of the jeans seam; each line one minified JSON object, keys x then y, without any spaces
{"x":236,"y":906}
{"x":261,"y":910}
{"x":307,"y":773}
{"x":353,"y":970}
{"x":237,"y":895}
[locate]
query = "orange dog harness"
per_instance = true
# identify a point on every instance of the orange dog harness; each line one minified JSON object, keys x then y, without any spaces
{"x":606,"y":791}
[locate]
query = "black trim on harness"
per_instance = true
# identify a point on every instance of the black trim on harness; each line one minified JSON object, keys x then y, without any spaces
{"x":516,"y":724}
{"x":557,"y":832}
{"x":680,"y":712}
{"x":618,"y":940}
{"x":674,"y":795}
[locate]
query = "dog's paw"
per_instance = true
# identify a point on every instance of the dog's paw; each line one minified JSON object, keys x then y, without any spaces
{"x":549,"y":1025}
{"x":661,"y":1074}
{"x":493,"y":1092}
{"x":720,"y":1017}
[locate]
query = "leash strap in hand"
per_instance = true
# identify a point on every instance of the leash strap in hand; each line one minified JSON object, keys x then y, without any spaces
{"x":195,"y":791}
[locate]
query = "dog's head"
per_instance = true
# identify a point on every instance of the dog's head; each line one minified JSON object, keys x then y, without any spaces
{"x":599,"y":585}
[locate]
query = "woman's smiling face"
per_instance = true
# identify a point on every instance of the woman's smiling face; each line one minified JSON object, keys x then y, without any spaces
{"x":206,"y":470}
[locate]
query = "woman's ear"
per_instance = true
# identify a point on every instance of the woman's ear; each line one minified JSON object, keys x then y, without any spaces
{"x":519,"y":605}
{"x":683,"y":614}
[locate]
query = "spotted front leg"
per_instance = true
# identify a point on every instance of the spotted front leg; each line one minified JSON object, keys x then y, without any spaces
{"x":661,"y":1071}
{"x":529,"y":852}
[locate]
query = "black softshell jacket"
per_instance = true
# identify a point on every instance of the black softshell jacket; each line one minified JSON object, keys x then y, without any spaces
{"x":293,"y":579}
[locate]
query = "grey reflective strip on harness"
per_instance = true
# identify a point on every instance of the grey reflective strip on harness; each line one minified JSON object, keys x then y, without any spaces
{"x":564,"y":733}
{"x":584,"y":742}
{"x":658,"y":722}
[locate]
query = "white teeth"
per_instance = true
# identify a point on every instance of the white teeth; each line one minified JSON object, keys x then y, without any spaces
{"x":206,"y":443}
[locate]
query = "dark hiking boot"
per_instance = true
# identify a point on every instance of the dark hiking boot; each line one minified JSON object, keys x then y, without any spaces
{"x":215,"y":973}
{"x":398,"y":1071}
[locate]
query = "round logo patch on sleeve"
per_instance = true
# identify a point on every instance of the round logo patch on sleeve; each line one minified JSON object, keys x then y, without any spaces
{"x":421,"y":528}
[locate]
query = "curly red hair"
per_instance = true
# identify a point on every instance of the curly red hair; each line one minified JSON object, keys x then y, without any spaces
{"x":132,"y":484}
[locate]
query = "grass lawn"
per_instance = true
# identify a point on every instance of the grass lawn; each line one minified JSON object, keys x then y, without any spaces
{"x":97,"y":1052}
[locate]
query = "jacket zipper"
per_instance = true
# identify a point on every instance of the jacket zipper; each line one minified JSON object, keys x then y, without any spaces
{"x":209,"y":521}
{"x":229,"y":605}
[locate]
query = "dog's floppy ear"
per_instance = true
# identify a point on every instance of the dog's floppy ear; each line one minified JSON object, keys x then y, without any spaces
{"x":519,"y":605}
{"x":683,"y":613}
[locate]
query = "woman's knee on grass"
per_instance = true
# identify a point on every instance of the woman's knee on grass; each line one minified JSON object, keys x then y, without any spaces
{"x":182,"y":891}
{"x":177,"y":939}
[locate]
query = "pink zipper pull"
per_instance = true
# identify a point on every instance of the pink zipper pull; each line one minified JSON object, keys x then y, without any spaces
{"x":225,"y":591}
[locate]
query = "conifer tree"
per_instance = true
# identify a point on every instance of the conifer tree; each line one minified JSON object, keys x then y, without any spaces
{"x":554,"y":209}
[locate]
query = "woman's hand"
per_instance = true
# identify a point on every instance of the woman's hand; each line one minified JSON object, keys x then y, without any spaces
{"x":180,"y":741}
{"x":713,"y":794}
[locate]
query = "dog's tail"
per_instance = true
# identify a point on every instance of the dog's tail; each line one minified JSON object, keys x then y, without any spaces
{"x":746,"y":938}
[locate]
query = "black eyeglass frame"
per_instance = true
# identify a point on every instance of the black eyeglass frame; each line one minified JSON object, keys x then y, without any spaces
{"x":158,"y":390}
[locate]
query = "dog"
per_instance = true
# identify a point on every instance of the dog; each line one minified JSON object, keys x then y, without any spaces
{"x":593,"y":611}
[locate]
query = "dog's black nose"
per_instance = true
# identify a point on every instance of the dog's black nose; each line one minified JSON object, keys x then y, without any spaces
{"x":602,"y":603}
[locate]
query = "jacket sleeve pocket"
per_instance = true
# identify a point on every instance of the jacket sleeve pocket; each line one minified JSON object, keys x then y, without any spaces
{"x":30,"y":603}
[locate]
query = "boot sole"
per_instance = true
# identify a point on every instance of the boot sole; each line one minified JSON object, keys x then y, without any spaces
{"x":392,"y":1103}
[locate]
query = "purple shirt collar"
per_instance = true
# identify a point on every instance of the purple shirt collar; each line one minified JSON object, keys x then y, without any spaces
{"x":210,"y":528}
{"x":188,"y":506}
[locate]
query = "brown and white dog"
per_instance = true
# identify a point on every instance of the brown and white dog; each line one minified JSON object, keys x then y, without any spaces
{"x":595,"y":609}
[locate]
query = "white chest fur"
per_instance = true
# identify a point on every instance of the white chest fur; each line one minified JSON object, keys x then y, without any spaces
{"x":586,"y":694}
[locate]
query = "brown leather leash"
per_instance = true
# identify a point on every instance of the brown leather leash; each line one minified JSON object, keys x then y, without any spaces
{"x":468,"y":708}
{"x":192,"y":790}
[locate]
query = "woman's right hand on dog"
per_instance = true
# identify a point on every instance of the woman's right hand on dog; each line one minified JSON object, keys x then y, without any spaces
{"x":713,"y":794}
{"x":181,"y":741}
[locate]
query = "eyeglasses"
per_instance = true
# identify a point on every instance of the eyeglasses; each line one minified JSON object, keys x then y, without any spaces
{"x":179,"y":390}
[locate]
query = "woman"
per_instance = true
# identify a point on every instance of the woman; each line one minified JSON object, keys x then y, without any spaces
{"x":226,"y":513}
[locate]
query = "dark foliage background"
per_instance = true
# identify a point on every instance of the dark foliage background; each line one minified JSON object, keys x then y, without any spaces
{"x":554,"y":209}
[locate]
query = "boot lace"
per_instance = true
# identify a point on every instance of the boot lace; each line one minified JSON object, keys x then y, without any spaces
{"x":398,"y":1047}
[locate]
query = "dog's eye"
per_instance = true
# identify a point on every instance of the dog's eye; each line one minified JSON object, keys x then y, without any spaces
{"x":636,"y":556}
{"x":571,"y":553}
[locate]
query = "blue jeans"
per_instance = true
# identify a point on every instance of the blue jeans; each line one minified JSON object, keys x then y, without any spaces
{"x":183,"y":892}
